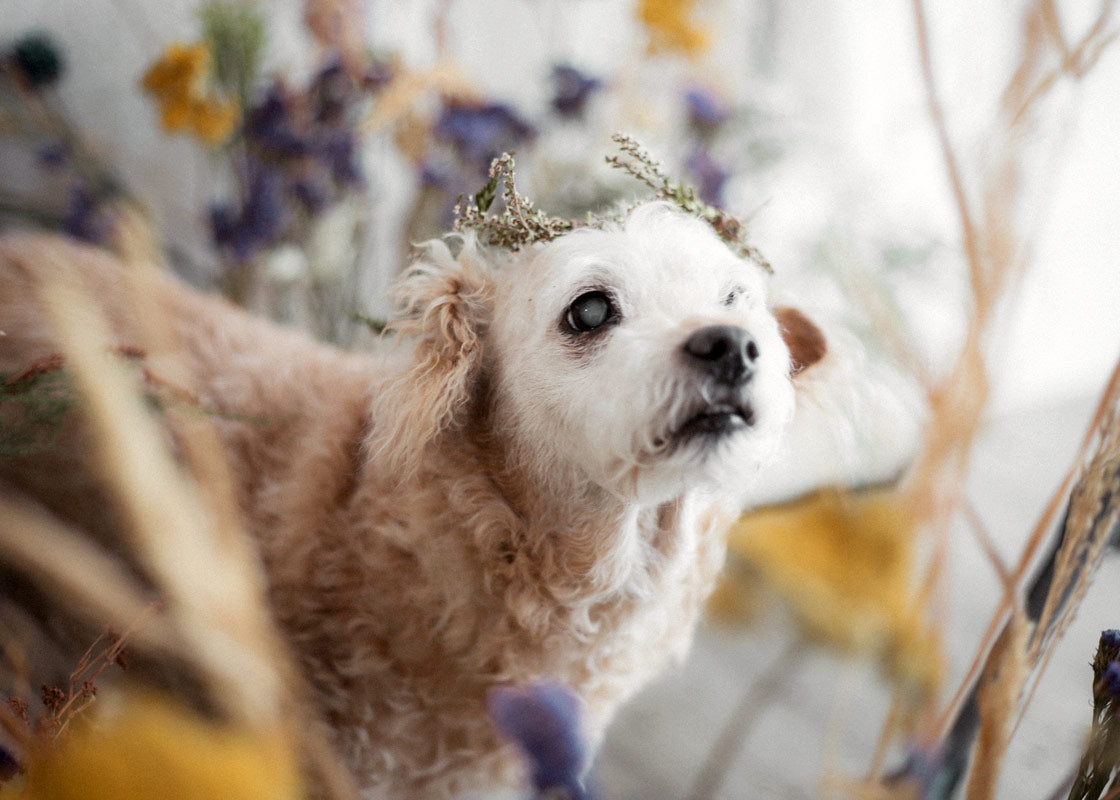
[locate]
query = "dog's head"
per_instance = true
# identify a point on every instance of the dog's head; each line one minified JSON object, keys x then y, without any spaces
{"x":642,"y":357}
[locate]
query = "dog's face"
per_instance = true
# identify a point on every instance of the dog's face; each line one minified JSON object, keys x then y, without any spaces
{"x":642,"y":358}
{"x":645,"y":357}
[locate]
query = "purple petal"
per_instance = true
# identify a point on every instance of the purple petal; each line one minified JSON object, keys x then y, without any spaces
{"x":543,"y":720}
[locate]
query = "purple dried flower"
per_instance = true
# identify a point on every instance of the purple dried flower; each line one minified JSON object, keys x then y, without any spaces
{"x":338,"y":150}
{"x":54,"y":156}
{"x":9,"y":765}
{"x":437,"y":175}
{"x":312,"y":192}
{"x":706,"y":110}
{"x":269,"y":127}
{"x":86,"y":218}
{"x":379,"y":75}
{"x":543,"y":720}
{"x":710,"y":174}
{"x":571,"y":90}
{"x":480,"y":133}
{"x":1111,"y":678}
{"x":261,"y":220}
{"x":333,"y":92}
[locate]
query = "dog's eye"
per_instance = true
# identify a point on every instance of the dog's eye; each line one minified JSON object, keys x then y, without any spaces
{"x":589,"y":311}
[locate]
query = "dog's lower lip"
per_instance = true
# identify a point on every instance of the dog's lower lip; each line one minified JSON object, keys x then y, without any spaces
{"x":718,"y":420}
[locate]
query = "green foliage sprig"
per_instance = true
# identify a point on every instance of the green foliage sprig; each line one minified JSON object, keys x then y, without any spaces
{"x":33,"y":405}
{"x":237,"y":35}
{"x":636,"y":161}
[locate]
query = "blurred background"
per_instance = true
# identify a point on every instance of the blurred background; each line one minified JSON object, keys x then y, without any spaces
{"x":809,"y":120}
{"x":287,"y":153}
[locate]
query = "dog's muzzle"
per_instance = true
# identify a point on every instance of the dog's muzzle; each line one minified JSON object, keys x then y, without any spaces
{"x":725,"y":356}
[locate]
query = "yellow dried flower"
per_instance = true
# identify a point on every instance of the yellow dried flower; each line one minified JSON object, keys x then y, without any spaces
{"x":153,"y":748}
{"x":214,"y":119}
{"x":670,"y":27}
{"x":843,"y":562}
{"x":182,"y":84}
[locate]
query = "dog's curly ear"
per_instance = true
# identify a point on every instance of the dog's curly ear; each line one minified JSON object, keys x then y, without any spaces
{"x":807,"y":344}
{"x":445,"y":303}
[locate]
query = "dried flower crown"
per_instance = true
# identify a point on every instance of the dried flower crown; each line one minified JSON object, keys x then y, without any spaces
{"x":521,"y":223}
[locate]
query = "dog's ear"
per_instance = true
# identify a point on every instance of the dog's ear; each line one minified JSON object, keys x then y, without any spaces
{"x":804,"y":339}
{"x":445,"y":303}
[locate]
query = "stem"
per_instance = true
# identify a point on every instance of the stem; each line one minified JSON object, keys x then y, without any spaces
{"x":730,"y":741}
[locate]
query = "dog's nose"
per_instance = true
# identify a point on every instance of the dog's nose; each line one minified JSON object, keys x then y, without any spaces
{"x":726,"y":352}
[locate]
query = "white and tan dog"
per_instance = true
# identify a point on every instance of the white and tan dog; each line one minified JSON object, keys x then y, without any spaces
{"x":538,"y":486}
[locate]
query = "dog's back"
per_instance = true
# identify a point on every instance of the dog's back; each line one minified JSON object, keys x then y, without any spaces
{"x":277,"y":398}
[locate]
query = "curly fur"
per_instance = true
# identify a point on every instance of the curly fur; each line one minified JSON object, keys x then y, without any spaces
{"x":495,"y":501}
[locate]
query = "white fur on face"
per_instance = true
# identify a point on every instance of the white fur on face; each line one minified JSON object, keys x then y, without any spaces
{"x":611,"y":404}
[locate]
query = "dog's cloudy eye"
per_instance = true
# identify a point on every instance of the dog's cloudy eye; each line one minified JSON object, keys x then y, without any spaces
{"x":589,"y":311}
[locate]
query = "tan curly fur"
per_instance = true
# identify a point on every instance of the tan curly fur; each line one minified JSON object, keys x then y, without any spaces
{"x":425,"y":532}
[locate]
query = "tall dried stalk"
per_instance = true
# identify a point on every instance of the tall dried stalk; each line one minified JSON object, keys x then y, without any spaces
{"x":182,"y":526}
{"x":996,"y":254}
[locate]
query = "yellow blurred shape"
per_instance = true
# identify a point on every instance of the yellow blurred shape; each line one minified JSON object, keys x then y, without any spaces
{"x":181,"y":83}
{"x":671,"y":28}
{"x":153,"y":748}
{"x":843,"y":561}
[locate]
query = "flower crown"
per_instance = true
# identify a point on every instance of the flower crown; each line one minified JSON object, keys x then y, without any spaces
{"x":521,"y":223}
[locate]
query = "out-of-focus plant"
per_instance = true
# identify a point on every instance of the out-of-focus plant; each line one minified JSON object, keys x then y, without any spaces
{"x":672,"y":28}
{"x":80,"y":194}
{"x":289,"y":230}
{"x":183,"y":85}
{"x":1102,"y":754}
{"x":543,"y":721}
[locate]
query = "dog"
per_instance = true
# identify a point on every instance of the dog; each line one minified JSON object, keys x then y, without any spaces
{"x":534,"y":484}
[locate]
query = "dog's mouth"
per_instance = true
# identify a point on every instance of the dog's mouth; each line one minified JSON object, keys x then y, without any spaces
{"x":712,"y":421}
{"x":717,"y":420}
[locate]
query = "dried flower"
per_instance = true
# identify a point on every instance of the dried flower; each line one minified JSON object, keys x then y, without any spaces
{"x":37,"y":59}
{"x":520,"y":222}
{"x":636,"y":161}
{"x":153,"y":746}
{"x":706,"y":110}
{"x":543,"y":720}
{"x":480,"y":133}
{"x":9,"y":765}
{"x":843,"y":563}
{"x":182,"y":83}
{"x":670,"y":27}
{"x":1111,"y":679}
{"x":271,"y":129}
{"x":711,"y":175}
{"x":18,"y":707}
{"x":1102,"y":754}
{"x":87,"y":216}
{"x":571,"y":90}
{"x":261,"y":218}
{"x":54,"y":156}
{"x":53,"y":698}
